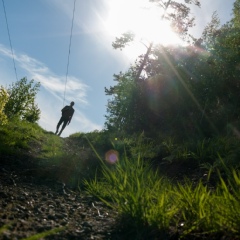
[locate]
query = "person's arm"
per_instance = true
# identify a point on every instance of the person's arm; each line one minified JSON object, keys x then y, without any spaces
{"x":70,"y":118}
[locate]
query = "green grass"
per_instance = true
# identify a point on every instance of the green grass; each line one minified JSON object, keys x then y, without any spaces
{"x":53,"y":158}
{"x":45,"y":234}
{"x":38,"y":235}
{"x":3,"y":229}
{"x":17,"y":134}
{"x":137,"y":193}
{"x":28,"y":137}
{"x":149,"y":204}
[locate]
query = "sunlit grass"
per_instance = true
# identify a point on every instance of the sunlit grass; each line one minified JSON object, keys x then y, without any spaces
{"x":195,"y":208}
{"x":148,"y":203}
{"x":35,"y":236}
{"x":18,"y":134}
{"x":45,"y":234}
{"x":137,"y":193}
{"x":52,"y":147}
{"x":3,"y":229}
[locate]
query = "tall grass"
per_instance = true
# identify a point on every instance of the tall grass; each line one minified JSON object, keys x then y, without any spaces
{"x":227,"y":198}
{"x":150,"y":205}
{"x":142,"y":198}
{"x":195,"y":207}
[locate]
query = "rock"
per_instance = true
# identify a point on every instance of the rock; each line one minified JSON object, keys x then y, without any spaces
{"x":3,"y":194}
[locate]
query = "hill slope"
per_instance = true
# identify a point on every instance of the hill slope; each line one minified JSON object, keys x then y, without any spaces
{"x":37,"y":170}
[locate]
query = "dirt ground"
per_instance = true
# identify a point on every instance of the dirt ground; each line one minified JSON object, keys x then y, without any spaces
{"x":29,"y":206}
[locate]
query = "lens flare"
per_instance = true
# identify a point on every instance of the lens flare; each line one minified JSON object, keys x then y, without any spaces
{"x":111,"y":156}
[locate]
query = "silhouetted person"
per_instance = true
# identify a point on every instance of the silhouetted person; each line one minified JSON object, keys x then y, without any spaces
{"x":67,"y":113}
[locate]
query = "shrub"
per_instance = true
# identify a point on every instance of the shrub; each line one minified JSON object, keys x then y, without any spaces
{"x":21,"y":101}
{"x":144,"y":200}
{"x":3,"y":100}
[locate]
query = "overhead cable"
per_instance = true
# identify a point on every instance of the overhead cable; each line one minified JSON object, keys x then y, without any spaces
{"x":69,"y":50}
{"x":10,"y":42}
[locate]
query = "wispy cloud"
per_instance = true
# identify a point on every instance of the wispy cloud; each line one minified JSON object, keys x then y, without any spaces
{"x":50,"y":81}
{"x":54,"y":87}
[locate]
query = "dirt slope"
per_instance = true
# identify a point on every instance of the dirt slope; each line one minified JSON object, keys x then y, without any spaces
{"x":31,"y":203}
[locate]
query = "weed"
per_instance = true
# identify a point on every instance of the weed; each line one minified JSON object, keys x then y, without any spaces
{"x":149,"y":204}
{"x":45,"y":234}
{"x":137,"y":193}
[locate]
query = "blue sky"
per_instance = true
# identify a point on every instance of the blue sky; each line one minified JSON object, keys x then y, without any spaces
{"x":40,"y":35}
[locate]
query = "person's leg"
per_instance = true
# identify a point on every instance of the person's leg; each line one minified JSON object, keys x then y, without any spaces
{"x":63,"y":126}
{"x":58,"y":125}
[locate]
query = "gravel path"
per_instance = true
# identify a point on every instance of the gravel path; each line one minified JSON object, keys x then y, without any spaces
{"x":29,"y":207}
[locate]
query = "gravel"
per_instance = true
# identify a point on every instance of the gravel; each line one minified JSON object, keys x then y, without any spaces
{"x":29,"y":207}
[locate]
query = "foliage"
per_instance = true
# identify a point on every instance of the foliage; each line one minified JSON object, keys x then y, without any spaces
{"x":130,"y":108}
{"x":208,"y":212}
{"x":3,"y":228}
{"x":195,"y":207}
{"x":101,"y":140}
{"x":38,"y":235}
{"x":18,"y":134}
{"x":151,"y":206}
{"x":122,"y":41}
{"x":132,"y":185}
{"x":185,"y":106}
{"x":3,"y":100}
{"x":21,"y":101}
{"x":52,"y":157}
{"x":209,"y":150}
{"x":176,"y":12}
{"x":45,"y":234}
{"x":160,"y":102}
{"x":209,"y":154}
{"x":123,"y":111}
{"x":186,"y":92}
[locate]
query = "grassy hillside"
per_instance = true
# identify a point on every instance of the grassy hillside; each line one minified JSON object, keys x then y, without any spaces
{"x":162,"y":189}
{"x":27,"y":147}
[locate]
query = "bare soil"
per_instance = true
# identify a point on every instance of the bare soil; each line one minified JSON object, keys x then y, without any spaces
{"x":33,"y":202}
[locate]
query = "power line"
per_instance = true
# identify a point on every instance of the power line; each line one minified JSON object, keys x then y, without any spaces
{"x":69,"y":50}
{"x":14,"y":65}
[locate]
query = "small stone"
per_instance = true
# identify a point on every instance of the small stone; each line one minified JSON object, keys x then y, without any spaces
{"x":3,"y":195}
{"x":51,"y":217}
{"x":87,"y":224}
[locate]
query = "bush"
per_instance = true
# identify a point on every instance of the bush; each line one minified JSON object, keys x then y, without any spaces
{"x":3,"y":100}
{"x":21,"y":101}
{"x":151,"y":207}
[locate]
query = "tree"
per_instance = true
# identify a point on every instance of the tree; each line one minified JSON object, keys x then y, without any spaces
{"x":123,"y":108}
{"x":156,"y":102}
{"x":21,"y":102}
{"x":178,"y":14}
{"x":3,"y":101}
{"x":127,"y":108}
{"x":236,"y":14}
{"x":191,"y":91}
{"x":223,"y":83}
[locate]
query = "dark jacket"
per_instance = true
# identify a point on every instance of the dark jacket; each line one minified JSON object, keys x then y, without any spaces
{"x":67,"y":112}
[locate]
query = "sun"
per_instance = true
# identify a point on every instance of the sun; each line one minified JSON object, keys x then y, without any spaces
{"x":142,"y":18}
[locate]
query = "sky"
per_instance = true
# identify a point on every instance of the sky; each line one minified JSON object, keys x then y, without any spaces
{"x":40,"y":33}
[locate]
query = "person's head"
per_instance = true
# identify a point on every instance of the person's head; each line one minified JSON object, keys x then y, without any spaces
{"x":72,"y":103}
